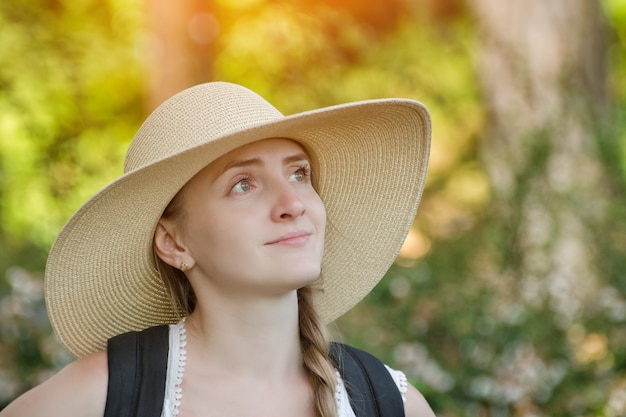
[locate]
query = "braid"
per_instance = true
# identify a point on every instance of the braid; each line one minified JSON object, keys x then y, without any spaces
{"x":315,"y":351}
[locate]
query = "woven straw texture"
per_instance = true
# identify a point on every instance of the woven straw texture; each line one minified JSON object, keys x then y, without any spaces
{"x":369,"y":162}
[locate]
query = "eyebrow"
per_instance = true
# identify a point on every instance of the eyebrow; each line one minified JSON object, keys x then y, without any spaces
{"x":257,"y":161}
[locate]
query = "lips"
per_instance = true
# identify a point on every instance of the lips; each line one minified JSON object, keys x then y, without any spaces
{"x":291,"y":239}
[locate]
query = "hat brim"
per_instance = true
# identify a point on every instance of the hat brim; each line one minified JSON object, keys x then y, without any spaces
{"x":369,"y":161}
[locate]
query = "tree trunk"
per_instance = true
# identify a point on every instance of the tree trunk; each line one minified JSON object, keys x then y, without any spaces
{"x":181,"y":46}
{"x":543,"y":79}
{"x":544,"y":75}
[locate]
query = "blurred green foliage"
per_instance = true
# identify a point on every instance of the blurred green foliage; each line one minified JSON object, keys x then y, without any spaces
{"x":72,"y":88}
{"x":70,"y":99}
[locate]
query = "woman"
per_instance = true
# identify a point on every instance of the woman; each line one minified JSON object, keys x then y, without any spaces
{"x":246,"y":231}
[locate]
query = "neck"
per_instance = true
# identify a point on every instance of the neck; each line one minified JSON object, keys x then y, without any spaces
{"x":254,"y":338}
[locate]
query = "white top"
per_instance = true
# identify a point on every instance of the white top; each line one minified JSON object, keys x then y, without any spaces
{"x":177,"y":359}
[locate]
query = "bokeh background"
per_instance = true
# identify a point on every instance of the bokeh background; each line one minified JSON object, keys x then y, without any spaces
{"x":508,"y":298}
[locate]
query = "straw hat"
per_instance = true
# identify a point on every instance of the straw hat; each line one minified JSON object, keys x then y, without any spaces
{"x":369,"y":161}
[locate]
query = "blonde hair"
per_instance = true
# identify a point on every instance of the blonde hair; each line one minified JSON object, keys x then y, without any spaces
{"x":315,"y":353}
{"x":313,"y":335}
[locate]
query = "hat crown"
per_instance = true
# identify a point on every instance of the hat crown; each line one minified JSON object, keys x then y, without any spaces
{"x":195,"y":116}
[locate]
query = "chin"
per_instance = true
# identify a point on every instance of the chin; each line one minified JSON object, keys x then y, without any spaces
{"x":305,"y":276}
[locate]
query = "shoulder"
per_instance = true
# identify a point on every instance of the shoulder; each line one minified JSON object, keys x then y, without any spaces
{"x":415,"y":404}
{"x":79,"y":389}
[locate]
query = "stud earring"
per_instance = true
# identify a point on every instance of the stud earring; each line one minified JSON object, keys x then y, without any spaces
{"x":183,"y":266}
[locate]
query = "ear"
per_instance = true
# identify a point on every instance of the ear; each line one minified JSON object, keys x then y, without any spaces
{"x":168,"y":248}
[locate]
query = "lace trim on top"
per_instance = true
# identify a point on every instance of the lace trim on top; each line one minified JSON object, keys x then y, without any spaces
{"x":400,"y":379}
{"x":177,"y":360}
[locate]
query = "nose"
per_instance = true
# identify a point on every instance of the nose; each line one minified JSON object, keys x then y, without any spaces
{"x":287,"y":203}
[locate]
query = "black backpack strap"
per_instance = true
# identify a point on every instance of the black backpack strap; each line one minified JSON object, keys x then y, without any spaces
{"x":137,"y":373}
{"x":372,"y":390}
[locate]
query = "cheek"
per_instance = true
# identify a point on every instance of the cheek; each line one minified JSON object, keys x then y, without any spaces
{"x":208,"y":230}
{"x":220,"y":243}
{"x":220,"y":229}
{"x":318,"y":211}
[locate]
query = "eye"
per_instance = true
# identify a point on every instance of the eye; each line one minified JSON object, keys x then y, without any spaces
{"x":301,"y":175}
{"x":242,"y":186}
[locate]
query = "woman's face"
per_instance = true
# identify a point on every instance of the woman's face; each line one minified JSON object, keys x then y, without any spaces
{"x":253,"y":220}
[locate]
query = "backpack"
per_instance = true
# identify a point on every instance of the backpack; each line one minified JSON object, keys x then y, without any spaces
{"x":138,"y":365}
